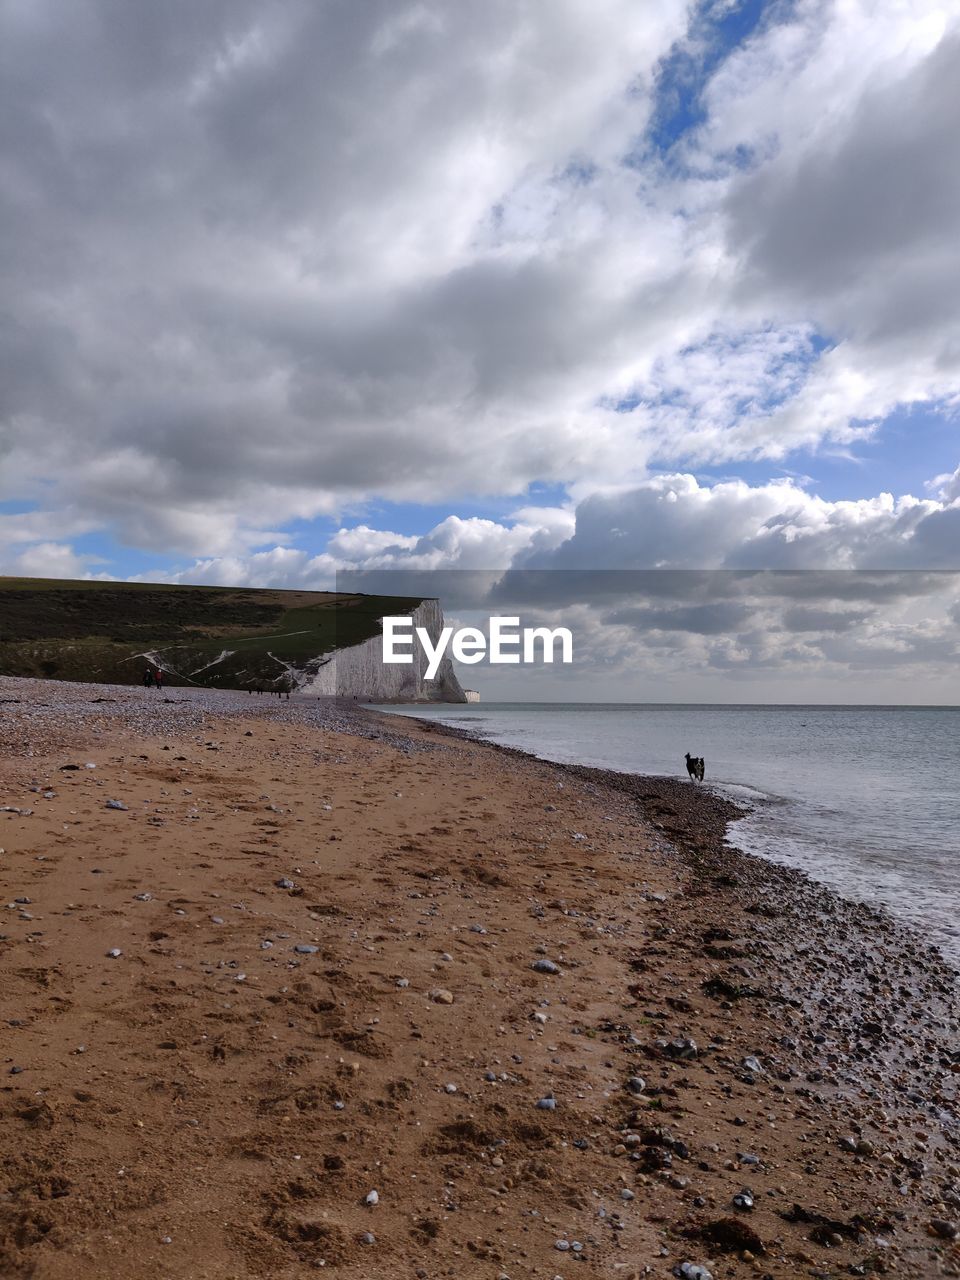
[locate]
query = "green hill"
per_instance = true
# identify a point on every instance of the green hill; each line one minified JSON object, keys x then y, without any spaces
{"x":219,"y":637}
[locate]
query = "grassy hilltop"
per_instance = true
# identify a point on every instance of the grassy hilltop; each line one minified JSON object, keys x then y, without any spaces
{"x":220,"y":637}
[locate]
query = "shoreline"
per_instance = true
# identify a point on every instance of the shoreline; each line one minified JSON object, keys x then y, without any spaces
{"x":696,"y":818}
{"x":788,"y":1040}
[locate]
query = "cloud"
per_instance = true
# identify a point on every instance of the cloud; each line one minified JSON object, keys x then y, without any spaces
{"x":676,"y":522}
{"x":250,"y":252}
{"x":946,"y":487}
{"x":52,"y":560}
{"x":701,"y":619}
{"x":869,"y":211}
{"x":272,"y":261}
{"x":806,"y":618}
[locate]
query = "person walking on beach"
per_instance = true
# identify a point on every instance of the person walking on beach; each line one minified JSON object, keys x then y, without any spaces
{"x":148,"y":679}
{"x":158,"y":678}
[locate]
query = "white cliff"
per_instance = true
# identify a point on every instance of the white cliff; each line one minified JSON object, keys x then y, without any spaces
{"x":360,"y":672}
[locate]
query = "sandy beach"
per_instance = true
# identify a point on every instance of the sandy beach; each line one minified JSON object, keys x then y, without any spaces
{"x":287,"y":986}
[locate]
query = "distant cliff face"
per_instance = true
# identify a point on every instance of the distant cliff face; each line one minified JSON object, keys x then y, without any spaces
{"x":360,"y":672}
{"x":214,"y":637}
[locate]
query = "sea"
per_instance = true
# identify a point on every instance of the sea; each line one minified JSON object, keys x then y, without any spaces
{"x":863,"y":799}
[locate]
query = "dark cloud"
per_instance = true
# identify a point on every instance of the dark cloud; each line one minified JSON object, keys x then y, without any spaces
{"x":880,"y":196}
{"x":247,"y":262}
{"x":805,"y":618}
{"x":717,"y":619}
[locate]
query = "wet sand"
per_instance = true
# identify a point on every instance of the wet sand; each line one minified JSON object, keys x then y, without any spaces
{"x":213,"y":1102}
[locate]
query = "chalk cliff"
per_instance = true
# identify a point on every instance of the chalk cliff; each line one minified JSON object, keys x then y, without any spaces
{"x":360,"y":672}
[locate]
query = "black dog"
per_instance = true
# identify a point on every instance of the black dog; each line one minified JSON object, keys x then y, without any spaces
{"x":695,"y":767}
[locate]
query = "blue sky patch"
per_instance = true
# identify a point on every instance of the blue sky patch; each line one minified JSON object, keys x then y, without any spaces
{"x":716,"y":29}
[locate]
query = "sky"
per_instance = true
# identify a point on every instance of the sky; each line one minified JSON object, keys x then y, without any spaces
{"x":292,"y":287}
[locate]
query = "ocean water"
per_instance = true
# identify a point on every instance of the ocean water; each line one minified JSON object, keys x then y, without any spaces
{"x":864,"y":799}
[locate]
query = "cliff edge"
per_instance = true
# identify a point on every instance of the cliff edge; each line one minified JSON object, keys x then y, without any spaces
{"x":360,"y":672}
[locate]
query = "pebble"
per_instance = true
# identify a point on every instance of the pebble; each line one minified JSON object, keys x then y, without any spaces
{"x":683,"y":1047}
{"x":450,"y":1088}
{"x":547,"y":1104}
{"x":441,"y":996}
{"x":116,"y":804}
{"x":636,"y":1084}
{"x":403,"y":983}
{"x":545,"y":966}
{"x":368,"y":1238}
{"x":373,"y":1197}
{"x":284,"y":883}
{"x":114,"y":953}
{"x":692,"y":1271}
{"x":306,"y":949}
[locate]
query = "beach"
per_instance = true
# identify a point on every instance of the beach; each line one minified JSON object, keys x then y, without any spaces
{"x":289,"y":986}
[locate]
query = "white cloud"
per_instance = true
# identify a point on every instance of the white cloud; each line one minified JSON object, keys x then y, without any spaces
{"x":453,"y":544}
{"x":671,"y":522}
{"x":947,"y":486}
{"x":363,"y":543}
{"x":52,"y":560}
{"x":675,"y":522}
{"x":269,"y":262}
